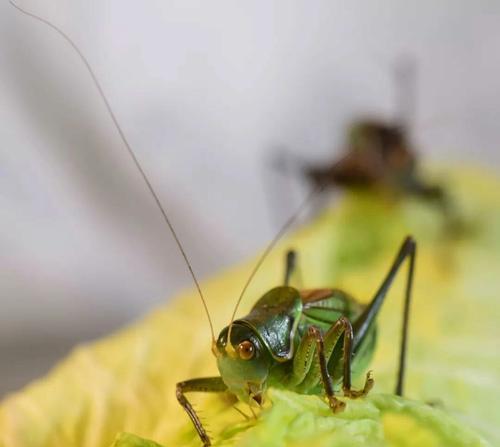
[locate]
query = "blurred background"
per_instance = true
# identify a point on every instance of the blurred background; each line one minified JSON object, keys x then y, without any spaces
{"x":206,"y":93}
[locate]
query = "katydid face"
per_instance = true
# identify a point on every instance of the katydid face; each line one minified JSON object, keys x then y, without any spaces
{"x":245,"y":368}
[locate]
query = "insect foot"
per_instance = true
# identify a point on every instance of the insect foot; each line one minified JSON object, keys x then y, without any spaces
{"x":336,"y":405}
{"x":354,"y":394}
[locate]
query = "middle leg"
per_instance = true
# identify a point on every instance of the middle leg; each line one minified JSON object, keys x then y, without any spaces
{"x":324,"y":349}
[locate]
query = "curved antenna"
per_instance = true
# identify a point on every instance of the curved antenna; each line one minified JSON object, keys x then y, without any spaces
{"x":127,"y":146}
{"x":262,"y":258}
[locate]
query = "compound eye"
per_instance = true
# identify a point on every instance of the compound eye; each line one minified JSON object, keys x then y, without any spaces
{"x":246,"y":350}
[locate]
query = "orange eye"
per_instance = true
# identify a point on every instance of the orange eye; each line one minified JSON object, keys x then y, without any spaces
{"x":246,"y":350}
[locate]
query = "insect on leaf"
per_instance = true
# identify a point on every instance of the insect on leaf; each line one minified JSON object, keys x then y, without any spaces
{"x":126,"y":382}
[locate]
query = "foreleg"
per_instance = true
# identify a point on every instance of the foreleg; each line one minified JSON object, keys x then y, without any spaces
{"x":205,"y":385}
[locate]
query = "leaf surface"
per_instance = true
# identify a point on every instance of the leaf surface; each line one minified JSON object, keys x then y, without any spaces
{"x":126,"y":382}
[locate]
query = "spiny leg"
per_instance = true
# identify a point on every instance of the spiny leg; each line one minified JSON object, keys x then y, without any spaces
{"x":327,"y":343}
{"x":366,"y":319}
{"x":345,"y":326}
{"x":336,"y":405}
{"x":205,"y":385}
{"x":303,"y":359}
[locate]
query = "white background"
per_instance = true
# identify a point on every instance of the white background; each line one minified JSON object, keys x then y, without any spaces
{"x":205,"y":92}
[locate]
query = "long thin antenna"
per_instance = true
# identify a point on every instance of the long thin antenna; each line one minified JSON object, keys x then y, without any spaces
{"x":127,"y":146}
{"x":271,"y":245}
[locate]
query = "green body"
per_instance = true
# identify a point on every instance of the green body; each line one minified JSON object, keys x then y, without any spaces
{"x":278,"y":326}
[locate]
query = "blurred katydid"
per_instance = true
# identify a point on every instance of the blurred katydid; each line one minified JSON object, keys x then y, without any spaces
{"x":379,"y":155}
{"x":307,"y":341}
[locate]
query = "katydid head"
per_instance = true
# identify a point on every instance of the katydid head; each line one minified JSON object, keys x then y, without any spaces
{"x":244,"y":362}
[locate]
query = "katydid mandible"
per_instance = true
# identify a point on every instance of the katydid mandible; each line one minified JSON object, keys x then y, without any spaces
{"x":307,"y":341}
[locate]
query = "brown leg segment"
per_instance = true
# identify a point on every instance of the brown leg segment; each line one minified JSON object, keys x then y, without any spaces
{"x":354,"y":394}
{"x":342,"y":325}
{"x":347,"y":359}
{"x":336,"y":405}
{"x":206,"y":385}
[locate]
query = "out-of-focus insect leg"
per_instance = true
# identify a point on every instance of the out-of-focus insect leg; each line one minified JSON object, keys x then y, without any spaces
{"x":405,"y":86}
{"x":291,"y":258}
{"x":205,"y":385}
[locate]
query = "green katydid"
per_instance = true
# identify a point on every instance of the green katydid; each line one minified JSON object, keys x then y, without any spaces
{"x":303,"y":340}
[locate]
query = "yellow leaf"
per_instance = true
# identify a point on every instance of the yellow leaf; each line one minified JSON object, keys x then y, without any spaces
{"x":126,"y":382}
